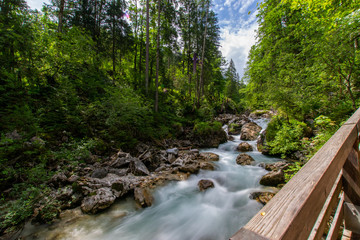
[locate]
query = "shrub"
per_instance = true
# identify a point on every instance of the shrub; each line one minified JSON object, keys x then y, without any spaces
{"x":288,"y":138}
{"x":205,"y":128}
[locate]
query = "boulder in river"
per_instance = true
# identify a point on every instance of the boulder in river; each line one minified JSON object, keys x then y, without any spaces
{"x":208,"y":156}
{"x":205,"y":184}
{"x":244,"y":159}
{"x":273,"y":178}
{"x":250,"y":131}
{"x":102,"y":199}
{"x":244,"y":147}
{"x":262,"y":197}
{"x":143,"y":197}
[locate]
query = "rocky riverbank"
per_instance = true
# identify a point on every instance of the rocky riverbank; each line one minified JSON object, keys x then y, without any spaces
{"x":95,"y":186}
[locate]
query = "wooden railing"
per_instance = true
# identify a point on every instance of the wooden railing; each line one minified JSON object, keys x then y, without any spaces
{"x":305,"y":205}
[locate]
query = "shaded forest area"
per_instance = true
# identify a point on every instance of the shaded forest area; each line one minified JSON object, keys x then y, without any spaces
{"x":89,"y":77}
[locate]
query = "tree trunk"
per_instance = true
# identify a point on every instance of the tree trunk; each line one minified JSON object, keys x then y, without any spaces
{"x":147,"y":48}
{"x":136,"y":36}
{"x":203,"y":60}
{"x":157,"y":60}
{"x":61,"y":15}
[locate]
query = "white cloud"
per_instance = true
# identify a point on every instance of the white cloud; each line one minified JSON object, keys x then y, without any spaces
{"x":245,"y":5}
{"x":236,"y":44}
{"x":37,"y":4}
{"x":228,"y":2}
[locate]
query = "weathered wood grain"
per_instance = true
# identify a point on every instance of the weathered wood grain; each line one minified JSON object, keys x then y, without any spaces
{"x":337,"y":221}
{"x":324,"y":216}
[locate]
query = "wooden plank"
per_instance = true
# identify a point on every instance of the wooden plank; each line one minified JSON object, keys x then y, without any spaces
{"x":351,"y":188}
{"x":346,"y":234}
{"x":354,"y":119}
{"x":244,"y":234}
{"x":353,"y":159}
{"x":291,"y":214}
{"x":324,"y":216}
{"x":337,"y":221}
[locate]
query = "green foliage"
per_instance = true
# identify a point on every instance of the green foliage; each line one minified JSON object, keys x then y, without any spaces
{"x":304,"y":61}
{"x":292,"y":170}
{"x":207,"y":128}
{"x":20,"y":209}
{"x":325,"y":128}
{"x":288,"y":138}
{"x":273,"y":127}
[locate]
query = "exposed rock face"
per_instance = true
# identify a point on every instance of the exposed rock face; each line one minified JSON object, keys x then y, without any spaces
{"x":244,"y":159}
{"x":102,"y":199}
{"x":138,"y":168}
{"x":244,"y":147}
{"x":250,"y":131}
{"x":143,"y":197}
{"x":99,"y":173}
{"x":262,"y":197}
{"x":205,"y":184}
{"x":209,"y":156}
{"x":273,"y":178}
{"x":58,"y":180}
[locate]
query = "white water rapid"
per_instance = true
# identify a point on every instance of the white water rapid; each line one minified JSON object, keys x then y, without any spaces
{"x":180,"y":211}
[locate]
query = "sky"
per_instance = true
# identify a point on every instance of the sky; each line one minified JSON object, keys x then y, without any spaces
{"x":237,"y":20}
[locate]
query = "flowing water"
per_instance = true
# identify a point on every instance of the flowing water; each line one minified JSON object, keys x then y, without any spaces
{"x":180,"y":211}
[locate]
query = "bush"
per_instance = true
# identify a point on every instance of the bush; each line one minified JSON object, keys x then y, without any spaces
{"x":288,"y":138}
{"x":206,"y":128}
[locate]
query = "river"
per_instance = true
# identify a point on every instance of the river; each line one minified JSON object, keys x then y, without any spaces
{"x":180,"y":211}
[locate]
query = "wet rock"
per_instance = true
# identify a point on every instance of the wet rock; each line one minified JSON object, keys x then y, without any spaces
{"x":244,"y":159}
{"x":273,"y":178}
{"x":143,"y":197}
{"x":205,"y":184}
{"x":102,"y":199}
{"x":174,"y":151}
{"x":190,"y":168}
{"x":207,"y":166}
{"x":244,"y":147}
{"x":250,"y":131}
{"x":208,"y":156}
{"x":99,"y":173}
{"x":138,"y":168}
{"x":262,"y":197}
{"x":231,"y":138}
{"x":281,"y":165}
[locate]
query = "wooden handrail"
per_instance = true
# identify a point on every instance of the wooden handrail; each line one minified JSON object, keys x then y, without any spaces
{"x":302,"y":207}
